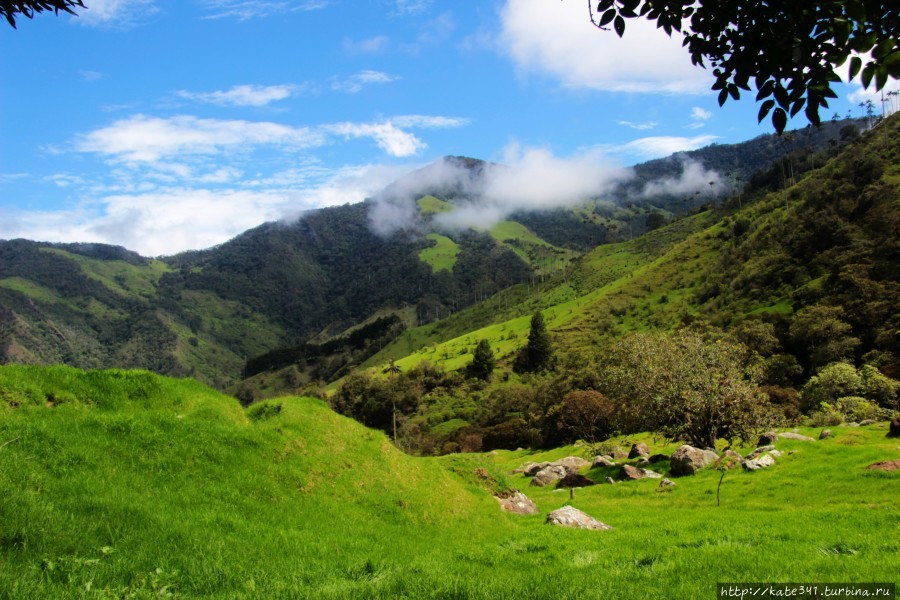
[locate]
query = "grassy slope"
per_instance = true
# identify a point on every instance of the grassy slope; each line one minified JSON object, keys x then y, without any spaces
{"x":126,"y":484}
{"x":441,"y":256}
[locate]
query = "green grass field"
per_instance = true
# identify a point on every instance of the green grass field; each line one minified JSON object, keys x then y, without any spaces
{"x":126,"y":484}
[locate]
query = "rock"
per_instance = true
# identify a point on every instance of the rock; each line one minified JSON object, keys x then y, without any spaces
{"x":571,"y":463}
{"x":767,"y":439}
{"x":825,"y":434}
{"x":639,"y":450}
{"x":633,"y":473}
{"x":888,"y":465}
{"x":687,"y":460}
{"x":619,"y":453}
{"x":658,"y":458}
{"x":775,"y":453}
{"x":531,"y":469}
{"x":758,"y":451}
{"x":797,"y":436}
{"x":894,"y":428}
{"x":602,"y":461}
{"x":667,"y":484}
{"x":569,"y":516}
{"x":729,"y":460}
{"x":575,"y":480}
{"x":516,"y":502}
{"x":766,"y":460}
{"x":851,"y":424}
{"x":548,"y":475}
{"x":866,"y":422}
{"x":610,"y":480}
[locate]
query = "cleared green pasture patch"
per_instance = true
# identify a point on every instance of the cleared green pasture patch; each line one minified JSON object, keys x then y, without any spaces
{"x":118,"y":275}
{"x":429,"y":205}
{"x":442,"y":255}
{"x":32,"y":290}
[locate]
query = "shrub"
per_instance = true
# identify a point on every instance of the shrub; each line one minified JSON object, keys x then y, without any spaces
{"x":835,"y":381}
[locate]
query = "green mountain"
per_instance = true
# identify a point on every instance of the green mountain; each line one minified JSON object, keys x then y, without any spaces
{"x":327,"y":291}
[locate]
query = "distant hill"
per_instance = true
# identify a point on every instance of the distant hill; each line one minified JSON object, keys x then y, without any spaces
{"x":312,"y":282}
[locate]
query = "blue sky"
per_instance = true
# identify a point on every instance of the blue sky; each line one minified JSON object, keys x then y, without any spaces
{"x":164,"y":126}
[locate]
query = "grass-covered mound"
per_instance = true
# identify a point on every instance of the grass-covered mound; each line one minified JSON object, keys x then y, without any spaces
{"x":127,"y":484}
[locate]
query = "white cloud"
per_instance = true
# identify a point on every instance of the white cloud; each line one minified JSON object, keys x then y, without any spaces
{"x":699,"y":114}
{"x":153,"y":140}
{"x":389,"y":138}
{"x":115,"y":14}
{"x":639,"y":126}
{"x":408,"y":7}
{"x":148,"y":139}
{"x":244,"y":10}
{"x":659,"y":146}
{"x":372,"y":45}
{"x":171,"y":220}
{"x":694,"y":179}
{"x":356,"y":82}
{"x":242,"y":95}
{"x":557,"y":38}
{"x":530,"y":179}
{"x":90,"y":76}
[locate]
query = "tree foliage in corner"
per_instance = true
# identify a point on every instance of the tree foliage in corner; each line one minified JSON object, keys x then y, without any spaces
{"x":9,"y":10}
{"x":788,"y":49}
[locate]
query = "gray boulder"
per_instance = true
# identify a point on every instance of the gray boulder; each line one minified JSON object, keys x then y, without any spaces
{"x":531,"y":469}
{"x":639,"y":450}
{"x":658,"y":458}
{"x":602,"y":461}
{"x":548,"y":475}
{"x":866,"y":422}
{"x":518,"y":503}
{"x":571,"y":463}
{"x":569,"y":516}
{"x":767,"y":439}
{"x":575,"y":480}
{"x":766,"y":460}
{"x":797,"y":436}
{"x":687,"y":460}
{"x":826,"y":433}
{"x":894,"y":428}
{"x":758,"y":451}
{"x":634,"y":473}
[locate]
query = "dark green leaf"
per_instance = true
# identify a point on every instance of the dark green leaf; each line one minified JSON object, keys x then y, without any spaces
{"x":619,"y":26}
{"x":779,"y":120}
{"x":764,"y":109}
{"x":723,"y":96}
{"x":607,"y":17}
{"x":855,"y":66}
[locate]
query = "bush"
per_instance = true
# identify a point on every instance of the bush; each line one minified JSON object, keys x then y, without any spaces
{"x":835,"y":381}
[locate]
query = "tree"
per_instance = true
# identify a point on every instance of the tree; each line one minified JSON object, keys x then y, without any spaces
{"x":483,"y":361}
{"x":587,"y":415}
{"x":788,"y":49}
{"x":393,"y":370}
{"x":9,"y":9}
{"x":685,"y":387}
{"x":537,"y":355}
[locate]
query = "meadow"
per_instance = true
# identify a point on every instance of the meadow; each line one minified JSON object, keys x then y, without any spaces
{"x":128,"y":484}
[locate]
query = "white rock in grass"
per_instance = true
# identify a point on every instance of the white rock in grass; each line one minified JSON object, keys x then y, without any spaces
{"x":569,"y":516}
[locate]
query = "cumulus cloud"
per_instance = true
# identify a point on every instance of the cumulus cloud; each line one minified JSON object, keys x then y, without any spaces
{"x":164,"y":221}
{"x":699,"y":117}
{"x":116,"y":14}
{"x":244,"y":10}
{"x":372,"y":45}
{"x":242,"y":95}
{"x":694,"y":179}
{"x":557,"y":38}
{"x":486,"y":193}
{"x":356,"y":82}
{"x":146,"y":139}
{"x":638,"y":126}
{"x":659,"y":146}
